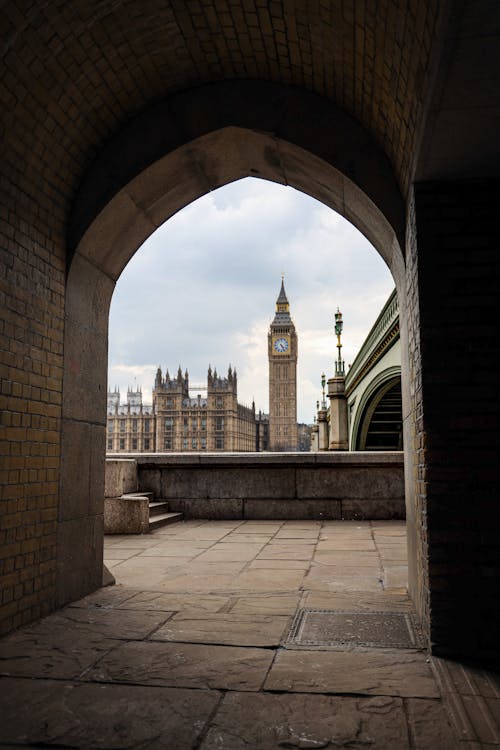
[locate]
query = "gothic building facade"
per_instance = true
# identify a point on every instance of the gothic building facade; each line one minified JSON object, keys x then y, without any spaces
{"x":176,"y":421}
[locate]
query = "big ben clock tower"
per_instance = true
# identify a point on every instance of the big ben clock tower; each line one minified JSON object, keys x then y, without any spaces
{"x":282,"y":352}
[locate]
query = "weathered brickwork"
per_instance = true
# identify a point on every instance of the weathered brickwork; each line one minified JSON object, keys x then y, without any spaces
{"x":32,"y":294}
{"x":414,"y":431}
{"x":457,"y":410}
{"x":73,"y":78}
{"x":80,"y":70}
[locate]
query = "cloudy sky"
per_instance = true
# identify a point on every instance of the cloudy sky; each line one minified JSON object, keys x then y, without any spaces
{"x":202,"y":290}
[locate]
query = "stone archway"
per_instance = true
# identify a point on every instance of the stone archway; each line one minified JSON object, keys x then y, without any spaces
{"x":159,"y":163}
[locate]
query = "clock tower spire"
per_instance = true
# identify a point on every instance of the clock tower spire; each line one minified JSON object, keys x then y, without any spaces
{"x":282,"y":353}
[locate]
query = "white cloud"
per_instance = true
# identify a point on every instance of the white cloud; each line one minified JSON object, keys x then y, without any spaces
{"x":203,"y":288}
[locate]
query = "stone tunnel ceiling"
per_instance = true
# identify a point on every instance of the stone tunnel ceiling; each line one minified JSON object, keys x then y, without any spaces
{"x":76,"y":72}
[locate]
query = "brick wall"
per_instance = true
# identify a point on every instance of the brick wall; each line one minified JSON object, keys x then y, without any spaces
{"x":453,"y":293}
{"x":31,"y":363}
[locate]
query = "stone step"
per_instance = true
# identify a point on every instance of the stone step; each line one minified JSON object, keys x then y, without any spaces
{"x":149,"y":495}
{"x":164,"y":519}
{"x":158,"y":506}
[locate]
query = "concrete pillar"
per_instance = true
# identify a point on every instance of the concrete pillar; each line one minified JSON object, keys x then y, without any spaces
{"x":323,"y":438}
{"x":339,"y":435}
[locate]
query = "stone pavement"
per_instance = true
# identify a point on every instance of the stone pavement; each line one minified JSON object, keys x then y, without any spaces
{"x":193,"y":648}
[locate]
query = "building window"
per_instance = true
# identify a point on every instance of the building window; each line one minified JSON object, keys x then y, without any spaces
{"x":185,"y":444}
{"x":203,"y":443}
{"x":146,"y":425}
{"x":194,"y":444}
{"x":167,"y":444}
{"x":204,"y":424}
{"x":194,"y":423}
{"x":219,"y":402}
{"x":169,"y":402}
{"x":134,"y":425}
{"x":146,"y":444}
{"x":110,"y":444}
{"x":219,"y":443}
{"x":169,"y":424}
{"x":134,"y":444}
{"x":219,"y":423}
{"x":122,"y":425}
{"x":111,"y":426}
{"x":122,"y":444}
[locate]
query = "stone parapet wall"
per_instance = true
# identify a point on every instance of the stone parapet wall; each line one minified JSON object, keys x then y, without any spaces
{"x":347,"y":486}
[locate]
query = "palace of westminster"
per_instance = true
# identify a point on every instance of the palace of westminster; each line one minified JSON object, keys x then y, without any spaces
{"x":176,"y":421}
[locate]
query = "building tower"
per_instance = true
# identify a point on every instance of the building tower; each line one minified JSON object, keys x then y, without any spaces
{"x":282,"y":352}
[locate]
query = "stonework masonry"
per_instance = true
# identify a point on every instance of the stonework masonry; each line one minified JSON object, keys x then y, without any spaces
{"x":115,"y":115}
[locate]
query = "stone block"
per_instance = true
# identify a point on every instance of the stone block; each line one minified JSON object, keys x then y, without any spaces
{"x":228,"y":482}
{"x":126,"y":515}
{"x":291,"y":509}
{"x":366,"y":509}
{"x":220,"y":509}
{"x":121,"y":476}
{"x":149,"y":480}
{"x":353,"y":482}
{"x":80,"y":553}
{"x":76,"y":438}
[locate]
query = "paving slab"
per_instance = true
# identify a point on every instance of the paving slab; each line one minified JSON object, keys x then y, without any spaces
{"x":269,"y":722}
{"x":61,"y":656}
{"x":232,"y":628}
{"x":262,"y":527}
{"x":194,"y":584}
{"x":395,"y":576}
{"x":285,"y":552}
{"x":297,"y":533}
{"x":247,"y":538}
{"x":159,"y":601}
{"x":361,"y":671}
{"x":324,"y":578}
{"x":184,"y":665}
{"x":429,"y":725}
{"x":268,"y":580}
{"x":267,"y":604}
{"x":231,"y":552}
{"x":65,"y":644}
{"x":275,"y":564}
{"x":197,"y":567}
{"x":176,"y":549}
{"x":62,"y":714}
{"x":108,"y":597}
{"x":287,"y":541}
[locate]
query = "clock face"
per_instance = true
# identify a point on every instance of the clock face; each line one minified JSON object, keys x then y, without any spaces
{"x":281,"y":345}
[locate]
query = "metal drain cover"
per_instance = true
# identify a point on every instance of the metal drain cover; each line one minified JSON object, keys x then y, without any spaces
{"x":334,"y":628}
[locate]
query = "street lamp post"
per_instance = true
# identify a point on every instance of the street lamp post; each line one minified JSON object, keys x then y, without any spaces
{"x":339,"y":439}
{"x":339,"y":364}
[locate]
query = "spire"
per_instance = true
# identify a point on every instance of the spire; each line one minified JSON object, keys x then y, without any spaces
{"x":282,"y":298}
{"x":282,"y":306}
